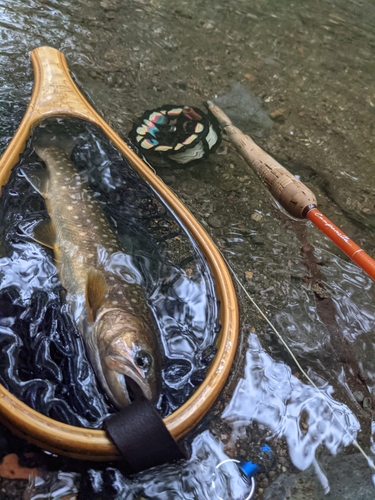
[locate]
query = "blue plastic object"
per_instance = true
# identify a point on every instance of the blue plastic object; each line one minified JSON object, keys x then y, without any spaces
{"x":250,"y":469}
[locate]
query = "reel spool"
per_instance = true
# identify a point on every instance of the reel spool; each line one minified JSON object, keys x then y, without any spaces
{"x":175,"y":135}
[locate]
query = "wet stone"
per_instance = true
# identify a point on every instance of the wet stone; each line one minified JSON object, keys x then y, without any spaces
{"x":344,"y":477}
{"x":264,"y":483}
{"x":109,"y":5}
{"x":367,"y":403}
{"x":214,"y":221}
{"x":359,"y":396}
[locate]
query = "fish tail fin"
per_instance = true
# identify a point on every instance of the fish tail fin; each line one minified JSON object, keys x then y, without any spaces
{"x":44,"y":140}
{"x":96,"y":288}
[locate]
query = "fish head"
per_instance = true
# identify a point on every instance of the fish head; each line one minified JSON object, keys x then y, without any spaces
{"x":129,"y":357}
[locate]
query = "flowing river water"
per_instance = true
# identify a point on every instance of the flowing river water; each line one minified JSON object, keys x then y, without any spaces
{"x":299,"y":78}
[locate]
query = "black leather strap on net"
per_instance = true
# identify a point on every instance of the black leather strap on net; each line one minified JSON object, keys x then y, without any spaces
{"x":142,"y":437}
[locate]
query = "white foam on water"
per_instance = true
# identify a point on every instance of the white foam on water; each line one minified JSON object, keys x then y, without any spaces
{"x":272,"y":396}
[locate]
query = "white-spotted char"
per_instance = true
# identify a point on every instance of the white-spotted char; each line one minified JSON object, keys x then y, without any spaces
{"x":112,"y":314}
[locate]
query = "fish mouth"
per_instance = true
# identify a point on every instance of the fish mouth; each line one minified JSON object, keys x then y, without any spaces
{"x":125,"y":382}
{"x":134,"y":390}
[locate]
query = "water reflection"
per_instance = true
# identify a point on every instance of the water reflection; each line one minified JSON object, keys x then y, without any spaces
{"x":272,"y":396}
{"x":208,"y":475}
{"x":337,"y":312}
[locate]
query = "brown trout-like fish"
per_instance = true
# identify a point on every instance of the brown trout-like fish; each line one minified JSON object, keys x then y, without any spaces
{"x":103,"y":287}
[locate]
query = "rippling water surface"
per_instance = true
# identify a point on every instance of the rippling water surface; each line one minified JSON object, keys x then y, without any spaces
{"x":298,"y":77}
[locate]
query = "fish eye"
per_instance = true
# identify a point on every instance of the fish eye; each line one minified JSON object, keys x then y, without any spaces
{"x":143,"y":360}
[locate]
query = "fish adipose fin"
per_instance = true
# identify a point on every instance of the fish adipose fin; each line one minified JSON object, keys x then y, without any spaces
{"x":45,"y":234}
{"x":96,"y":288}
{"x":38,"y":178}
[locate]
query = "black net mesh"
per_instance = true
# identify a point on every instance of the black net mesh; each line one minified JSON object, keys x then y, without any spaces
{"x":43,"y":359}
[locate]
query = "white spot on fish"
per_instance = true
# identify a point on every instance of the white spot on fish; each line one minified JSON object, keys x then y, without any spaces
{"x":75,"y":217}
{"x":134,"y":301}
{"x":114,"y":302}
{"x":69,"y":207}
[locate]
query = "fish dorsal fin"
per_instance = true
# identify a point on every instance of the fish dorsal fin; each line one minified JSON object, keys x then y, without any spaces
{"x":96,"y":288}
{"x":45,"y":234}
{"x":38,"y":178}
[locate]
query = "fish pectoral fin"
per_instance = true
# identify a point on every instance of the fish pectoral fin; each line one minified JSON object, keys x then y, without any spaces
{"x":38,"y":178}
{"x":45,"y":234}
{"x":96,"y":288}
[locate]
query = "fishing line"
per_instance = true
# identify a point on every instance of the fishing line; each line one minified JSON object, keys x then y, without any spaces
{"x":279,"y":336}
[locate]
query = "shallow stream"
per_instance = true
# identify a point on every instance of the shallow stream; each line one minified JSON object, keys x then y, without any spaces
{"x":299,"y":78}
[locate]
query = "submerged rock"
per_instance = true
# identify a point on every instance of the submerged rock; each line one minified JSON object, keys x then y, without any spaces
{"x":344,"y":474}
{"x":245,"y":110}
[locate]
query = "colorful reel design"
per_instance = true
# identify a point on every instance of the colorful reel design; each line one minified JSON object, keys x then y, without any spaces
{"x":175,"y":134}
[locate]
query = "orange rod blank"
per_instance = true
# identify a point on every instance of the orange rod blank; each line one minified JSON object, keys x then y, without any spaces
{"x":351,"y":249}
{"x":291,"y":193}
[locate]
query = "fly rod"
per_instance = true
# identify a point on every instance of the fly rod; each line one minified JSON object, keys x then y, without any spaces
{"x":290,"y":192}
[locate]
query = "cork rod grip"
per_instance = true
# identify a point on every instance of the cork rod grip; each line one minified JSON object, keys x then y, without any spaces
{"x":291,"y":193}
